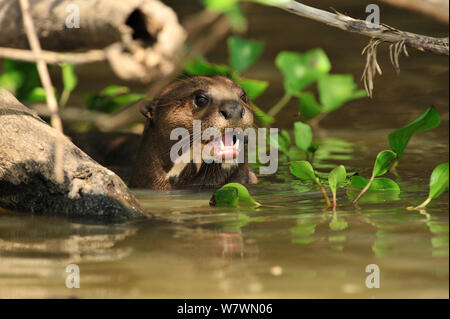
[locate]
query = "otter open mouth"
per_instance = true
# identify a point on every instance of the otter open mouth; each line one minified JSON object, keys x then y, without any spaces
{"x":225,"y":146}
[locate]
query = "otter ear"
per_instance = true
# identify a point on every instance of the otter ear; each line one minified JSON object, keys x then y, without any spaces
{"x":147,"y":108}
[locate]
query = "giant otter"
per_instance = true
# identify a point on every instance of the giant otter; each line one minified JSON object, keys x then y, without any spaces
{"x":218,"y":102}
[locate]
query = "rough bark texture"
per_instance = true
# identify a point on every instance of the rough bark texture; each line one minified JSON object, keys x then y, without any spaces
{"x":140,"y":35}
{"x":27,"y":176}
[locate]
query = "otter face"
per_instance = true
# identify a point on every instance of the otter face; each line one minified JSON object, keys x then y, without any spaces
{"x":217,"y":102}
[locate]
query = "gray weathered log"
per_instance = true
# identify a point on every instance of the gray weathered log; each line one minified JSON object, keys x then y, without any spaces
{"x":142,"y":39}
{"x":27,"y":180}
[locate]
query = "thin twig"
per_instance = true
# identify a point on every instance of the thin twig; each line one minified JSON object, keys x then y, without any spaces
{"x":51,"y":57}
{"x":382,"y":32}
{"x":48,"y":87}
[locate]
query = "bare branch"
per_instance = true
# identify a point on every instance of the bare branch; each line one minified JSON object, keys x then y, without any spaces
{"x":51,"y":57}
{"x":381,"y":32}
{"x":47,"y":84}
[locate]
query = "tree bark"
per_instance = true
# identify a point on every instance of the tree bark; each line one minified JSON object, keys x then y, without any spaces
{"x":27,"y":181}
{"x":142,"y":38}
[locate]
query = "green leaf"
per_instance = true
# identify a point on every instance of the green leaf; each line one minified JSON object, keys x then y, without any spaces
{"x":11,"y":80}
{"x":282,"y":142}
{"x":25,"y":77}
{"x":243,"y":53}
{"x":231,"y":10}
{"x":69,"y":77}
{"x":199,"y":67}
{"x":439,"y":180}
{"x":254,"y":88}
{"x":261,"y":115}
{"x":220,"y":5}
{"x":35,"y":95}
{"x":337,"y":89}
{"x":303,"y":137}
{"x":399,"y":139}
{"x":302,"y":170}
{"x":378,"y":184}
{"x":308,"y":106}
{"x":111,"y":99}
{"x":114,"y":90}
{"x":383,"y":162}
{"x":226,"y":197}
{"x":337,"y":178}
{"x":300,"y":70}
{"x":243,"y":194}
{"x":270,"y":2}
{"x":338,"y":224}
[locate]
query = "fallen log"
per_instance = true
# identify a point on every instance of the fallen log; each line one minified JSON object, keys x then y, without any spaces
{"x":27,"y":181}
{"x":141,"y":39}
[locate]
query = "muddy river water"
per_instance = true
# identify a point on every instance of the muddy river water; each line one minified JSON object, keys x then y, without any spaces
{"x":291,"y":247}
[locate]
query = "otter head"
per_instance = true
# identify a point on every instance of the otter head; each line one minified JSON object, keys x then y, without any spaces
{"x":215,"y":103}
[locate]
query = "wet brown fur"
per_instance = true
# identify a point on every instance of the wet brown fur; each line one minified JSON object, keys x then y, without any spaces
{"x":175,"y":108}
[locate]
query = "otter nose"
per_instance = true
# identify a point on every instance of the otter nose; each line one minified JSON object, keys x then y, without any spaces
{"x":231,"y":110}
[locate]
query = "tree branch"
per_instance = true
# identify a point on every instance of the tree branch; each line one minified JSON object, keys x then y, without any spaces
{"x":381,"y":32}
{"x":47,"y":84}
{"x":51,"y":57}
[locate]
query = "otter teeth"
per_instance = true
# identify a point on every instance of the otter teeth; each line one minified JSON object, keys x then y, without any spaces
{"x":222,"y":146}
{"x":236,"y":145}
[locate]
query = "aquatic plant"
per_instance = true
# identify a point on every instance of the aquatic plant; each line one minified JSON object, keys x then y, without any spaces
{"x":231,"y":195}
{"x":336,"y":179}
{"x":383,"y":162}
{"x":439,"y":182}
{"x":304,"y":171}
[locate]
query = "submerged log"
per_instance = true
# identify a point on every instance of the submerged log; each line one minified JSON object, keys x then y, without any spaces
{"x":27,"y":181}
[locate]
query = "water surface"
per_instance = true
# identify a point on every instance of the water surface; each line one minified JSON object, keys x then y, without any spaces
{"x":291,"y":247}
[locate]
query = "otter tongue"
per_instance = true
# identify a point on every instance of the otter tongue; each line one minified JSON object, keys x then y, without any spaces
{"x":225,"y":148}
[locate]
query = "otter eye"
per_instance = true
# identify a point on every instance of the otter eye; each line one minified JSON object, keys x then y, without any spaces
{"x":201,"y":100}
{"x":244,"y":97}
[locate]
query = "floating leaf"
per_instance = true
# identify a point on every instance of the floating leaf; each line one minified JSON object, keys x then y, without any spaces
{"x":243,"y":194}
{"x":383,"y":162}
{"x":300,"y":70}
{"x":302,"y":170}
{"x":337,"y":178}
{"x":399,"y":139}
{"x":254,"y":88}
{"x":226,"y":197}
{"x":243,"y":53}
{"x":337,"y":89}
{"x":303,"y":137}
{"x":439,"y":180}
{"x":378,"y":184}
